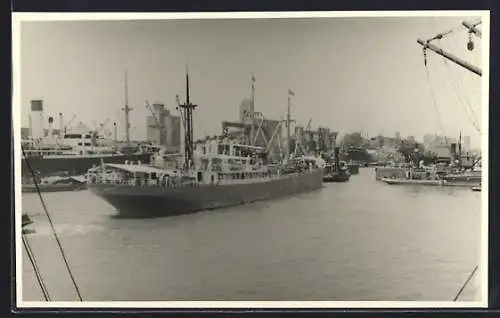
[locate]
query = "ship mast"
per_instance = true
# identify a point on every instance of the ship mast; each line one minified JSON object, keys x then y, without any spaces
{"x":127,"y":110}
{"x":460,"y":149}
{"x":289,"y":120}
{"x":187,"y":114}
{"x":252,"y":111}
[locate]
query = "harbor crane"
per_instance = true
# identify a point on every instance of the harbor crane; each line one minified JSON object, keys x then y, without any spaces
{"x":470,"y":46}
{"x":69,"y":123}
{"x":102,"y":127}
{"x":310,"y":139}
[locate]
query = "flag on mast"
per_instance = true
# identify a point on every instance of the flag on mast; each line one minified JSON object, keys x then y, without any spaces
{"x":290,"y":92}
{"x":253,"y":78}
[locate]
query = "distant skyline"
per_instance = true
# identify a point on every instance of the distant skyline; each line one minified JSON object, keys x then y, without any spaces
{"x":348,"y":74}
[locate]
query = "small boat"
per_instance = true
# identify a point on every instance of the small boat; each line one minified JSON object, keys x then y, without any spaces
{"x":337,"y":171}
{"x":353,"y":168}
{"x":398,"y":181}
{"x":476,"y":188}
{"x":340,"y":176}
{"x":25,"y":222}
{"x":424,"y":182}
{"x":73,"y":183}
{"x":336,"y":175}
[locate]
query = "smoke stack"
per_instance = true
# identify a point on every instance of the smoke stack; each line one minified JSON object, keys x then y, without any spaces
{"x":51,"y":124}
{"x":336,"y":153}
{"x":61,"y":124}
{"x":37,"y":107}
{"x":115,"y":132}
{"x":30,"y":127}
{"x":453,"y":152}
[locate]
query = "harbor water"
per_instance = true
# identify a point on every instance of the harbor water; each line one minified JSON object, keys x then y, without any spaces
{"x":359,"y":240}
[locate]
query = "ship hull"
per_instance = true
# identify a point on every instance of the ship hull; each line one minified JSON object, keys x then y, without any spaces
{"x":154,"y":201}
{"x":31,"y":188}
{"x":74,"y":165}
{"x":442,"y":183}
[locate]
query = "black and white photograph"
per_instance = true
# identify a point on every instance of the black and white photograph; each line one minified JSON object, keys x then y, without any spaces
{"x":306,"y":159}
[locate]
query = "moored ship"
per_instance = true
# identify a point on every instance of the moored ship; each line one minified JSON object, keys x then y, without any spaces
{"x":48,"y":152}
{"x":53,"y":160}
{"x":216,"y":174}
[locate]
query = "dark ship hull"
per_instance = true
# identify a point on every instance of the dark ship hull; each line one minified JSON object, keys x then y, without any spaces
{"x":341,"y":176}
{"x":155,"y":201}
{"x":74,"y":165}
{"x":31,"y":188}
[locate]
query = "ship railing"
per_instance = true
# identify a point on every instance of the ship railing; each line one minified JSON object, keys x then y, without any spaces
{"x":141,"y":182}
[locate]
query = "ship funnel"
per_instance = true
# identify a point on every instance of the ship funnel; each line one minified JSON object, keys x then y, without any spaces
{"x":337,"y":159}
{"x":38,"y":127}
{"x":453,"y":151}
{"x":30,"y":126}
{"x":61,"y":124}
{"x":51,"y":124}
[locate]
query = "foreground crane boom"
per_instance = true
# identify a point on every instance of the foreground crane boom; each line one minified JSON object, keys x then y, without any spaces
{"x":451,"y":57}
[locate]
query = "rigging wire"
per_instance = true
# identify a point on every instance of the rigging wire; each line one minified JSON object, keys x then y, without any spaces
{"x":434,"y":102}
{"x":466,"y":103}
{"x":463,"y":100}
{"x":200,"y":124}
{"x":446,"y":36}
{"x":451,"y":49}
{"x":34,"y":264}
{"x":53,"y":228}
{"x":466,"y":283}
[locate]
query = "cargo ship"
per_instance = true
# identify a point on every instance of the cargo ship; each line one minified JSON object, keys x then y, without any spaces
{"x":74,"y":150}
{"x":50,"y":161}
{"x":215,"y":174}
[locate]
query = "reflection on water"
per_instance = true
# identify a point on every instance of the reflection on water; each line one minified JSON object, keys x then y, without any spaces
{"x":361,"y":240}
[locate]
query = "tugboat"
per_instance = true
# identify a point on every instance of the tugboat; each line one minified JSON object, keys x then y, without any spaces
{"x":338,"y":171}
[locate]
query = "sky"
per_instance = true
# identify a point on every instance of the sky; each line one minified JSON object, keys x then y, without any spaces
{"x":348,"y":74}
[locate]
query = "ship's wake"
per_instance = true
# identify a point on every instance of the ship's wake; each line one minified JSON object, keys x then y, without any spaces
{"x":65,"y":230}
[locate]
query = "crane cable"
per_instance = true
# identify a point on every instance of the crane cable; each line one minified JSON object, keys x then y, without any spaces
{"x":465,"y":104}
{"x":36,"y":269}
{"x":434,"y":102}
{"x":464,"y":101}
{"x":70,"y":273}
{"x":466,"y":283}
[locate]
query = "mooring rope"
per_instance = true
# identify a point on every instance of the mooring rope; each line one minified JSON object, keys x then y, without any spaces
{"x":466,"y":282}
{"x":63,"y":254}
{"x":34,"y":264}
